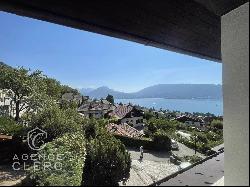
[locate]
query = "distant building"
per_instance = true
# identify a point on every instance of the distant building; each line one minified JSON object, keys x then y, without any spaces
{"x":128,"y":114}
{"x":70,"y":97}
{"x":190,"y":120}
{"x":6,"y":104}
{"x":95,"y":109}
{"x":124,"y":130}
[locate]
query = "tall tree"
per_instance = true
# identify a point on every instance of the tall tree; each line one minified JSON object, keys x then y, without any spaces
{"x":110,"y":99}
{"x":67,"y":89}
{"x":107,"y":160}
{"x":24,"y":87}
{"x":53,"y":88}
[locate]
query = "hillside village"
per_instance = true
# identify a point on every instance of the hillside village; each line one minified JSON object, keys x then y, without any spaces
{"x":132,"y":115}
{"x":169,"y":138}
{"x":123,"y":115}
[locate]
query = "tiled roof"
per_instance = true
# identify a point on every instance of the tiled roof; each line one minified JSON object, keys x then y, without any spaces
{"x":93,"y":106}
{"x":121,"y":110}
{"x":188,"y":118}
{"x":124,"y":130}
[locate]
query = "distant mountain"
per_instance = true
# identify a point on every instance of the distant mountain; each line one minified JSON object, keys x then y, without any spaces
{"x":181,"y":91}
{"x":103,"y":91}
{"x":171,"y":91}
{"x":85,"y":91}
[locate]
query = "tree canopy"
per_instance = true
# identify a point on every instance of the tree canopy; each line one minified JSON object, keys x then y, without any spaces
{"x":110,"y":99}
{"x":25,"y":88}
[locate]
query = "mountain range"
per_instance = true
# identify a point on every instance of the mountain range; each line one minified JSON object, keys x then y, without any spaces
{"x":168,"y":91}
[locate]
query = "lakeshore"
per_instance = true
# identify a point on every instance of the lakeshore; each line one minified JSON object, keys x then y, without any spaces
{"x":213,"y":106}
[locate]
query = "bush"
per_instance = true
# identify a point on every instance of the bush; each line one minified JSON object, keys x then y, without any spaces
{"x":56,"y":121}
{"x":9,"y":127}
{"x":107,"y":161}
{"x":136,"y":142}
{"x":161,"y":140}
{"x":92,"y":128}
{"x":162,"y":124}
{"x":200,"y":137}
{"x":147,"y":143}
{"x":64,"y":172}
{"x":192,"y":159}
{"x":217,"y":124}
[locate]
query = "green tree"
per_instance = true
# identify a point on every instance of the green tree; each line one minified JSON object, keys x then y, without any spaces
{"x":148,"y":115}
{"x":107,"y":161}
{"x":110,"y":99}
{"x":162,"y":140}
{"x":67,"y":89}
{"x":53,"y":88}
{"x":24,"y":87}
{"x":56,"y":121}
{"x":64,"y":104}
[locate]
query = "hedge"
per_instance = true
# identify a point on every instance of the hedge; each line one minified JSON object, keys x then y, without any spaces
{"x":66,"y":171}
{"x":146,"y":143}
{"x":9,"y":127}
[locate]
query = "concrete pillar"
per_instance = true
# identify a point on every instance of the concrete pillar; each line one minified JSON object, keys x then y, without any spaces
{"x":235,"y":57}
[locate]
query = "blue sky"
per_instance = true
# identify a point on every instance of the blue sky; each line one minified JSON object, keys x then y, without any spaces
{"x":83,"y":59}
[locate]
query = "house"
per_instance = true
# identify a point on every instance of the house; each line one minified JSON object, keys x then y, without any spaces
{"x":124,"y":130}
{"x":128,"y":114}
{"x":6,"y":105}
{"x":70,"y":97}
{"x":190,"y":120}
{"x":95,"y":109}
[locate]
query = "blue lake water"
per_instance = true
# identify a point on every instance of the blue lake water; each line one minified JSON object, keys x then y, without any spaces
{"x":184,"y":105}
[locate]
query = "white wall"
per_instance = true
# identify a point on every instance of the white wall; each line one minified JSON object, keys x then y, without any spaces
{"x":235,"y":57}
{"x":133,"y":121}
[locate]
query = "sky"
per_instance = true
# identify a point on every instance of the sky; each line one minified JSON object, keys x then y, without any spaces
{"x":87,"y":60}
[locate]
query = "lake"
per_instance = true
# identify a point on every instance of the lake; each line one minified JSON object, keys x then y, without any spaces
{"x":184,"y":105}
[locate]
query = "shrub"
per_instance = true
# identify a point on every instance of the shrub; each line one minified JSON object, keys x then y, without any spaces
{"x":136,"y":142}
{"x":149,"y":144}
{"x":217,"y":124}
{"x":200,"y":137}
{"x":56,"y":121}
{"x":162,"y":140}
{"x":9,"y":127}
{"x":107,"y":161}
{"x":112,"y":120}
{"x":64,"y":172}
{"x":92,"y":127}
{"x":162,"y":124}
{"x":192,"y":159}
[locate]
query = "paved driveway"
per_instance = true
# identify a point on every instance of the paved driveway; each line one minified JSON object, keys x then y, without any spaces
{"x":153,"y":167}
{"x":185,"y":151}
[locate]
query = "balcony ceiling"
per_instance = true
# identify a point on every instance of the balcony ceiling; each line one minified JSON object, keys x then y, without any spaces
{"x":186,"y":26}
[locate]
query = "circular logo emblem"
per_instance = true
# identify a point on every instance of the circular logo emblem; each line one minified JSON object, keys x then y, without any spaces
{"x":36,"y":139}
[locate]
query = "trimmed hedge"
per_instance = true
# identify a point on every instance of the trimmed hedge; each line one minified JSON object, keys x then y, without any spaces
{"x":66,"y":166}
{"x":146,"y":143}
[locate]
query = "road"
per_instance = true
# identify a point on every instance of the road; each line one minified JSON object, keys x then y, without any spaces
{"x":204,"y":174}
